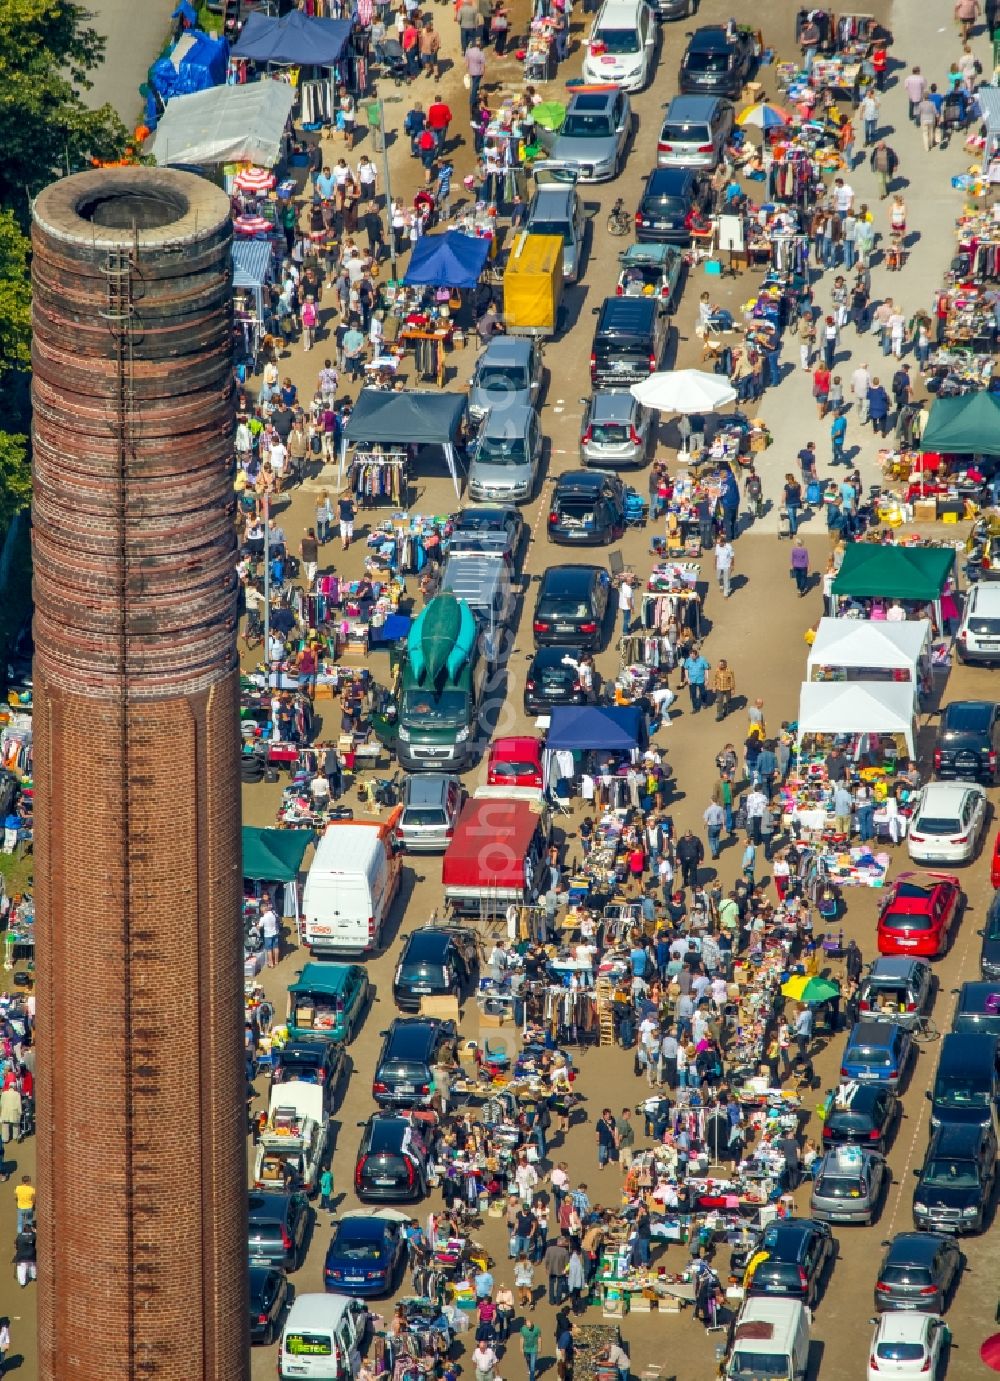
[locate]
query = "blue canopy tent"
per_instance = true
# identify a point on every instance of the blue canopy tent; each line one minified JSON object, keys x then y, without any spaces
{"x":451,"y":260}
{"x":295,"y":39}
{"x":251,"y":274}
{"x":605,"y":728}
{"x":195,"y":63}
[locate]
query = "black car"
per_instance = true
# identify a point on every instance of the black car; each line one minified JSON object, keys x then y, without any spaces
{"x":955,"y":1182}
{"x":312,"y":1061}
{"x":968,"y":742}
{"x":977,"y":1013}
{"x":553,"y":679}
{"x":392,"y":1160}
{"x":588,"y":506}
{"x":989,"y":953}
{"x":411,"y":1046}
{"x":277,"y":1228}
{"x":715,"y":64}
{"x":571,"y":607}
{"x":484,"y":530}
{"x":269,"y":1298}
{"x":668,"y":196}
{"x":629,"y":340}
{"x":919,"y":1271}
{"x":798,"y":1252}
{"x":862,"y":1114}
{"x":436,"y":960}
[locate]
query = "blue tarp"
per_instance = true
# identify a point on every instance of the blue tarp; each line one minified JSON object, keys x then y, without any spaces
{"x":614,"y":728}
{"x":451,"y":260}
{"x":251,"y":263}
{"x":185,"y":10}
{"x":196,"y":63}
{"x":294,"y":39}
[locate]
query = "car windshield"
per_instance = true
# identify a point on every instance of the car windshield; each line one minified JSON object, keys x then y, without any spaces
{"x":993,"y":925}
{"x":758,"y":1364}
{"x":503,"y":378}
{"x":562,"y":229}
{"x":387,"y":1136}
{"x":578,"y":125}
{"x":985,"y":628}
{"x":683,"y":132}
{"x":938,"y":824}
{"x":867,"y":1055}
{"x":840,"y":1187}
{"x":849,"y":1121}
{"x":708,"y":62}
{"x":502,"y":451}
{"x":951,"y":1174}
{"x":675,"y":205}
{"x":912,"y":891}
{"x":900,"y":1352}
{"x":615,"y":432}
{"x":967,"y":719}
{"x":476,"y":520}
{"x":906,"y":1275}
{"x":447,"y":707}
{"x":618,"y":40}
{"x":954,"y":1091}
{"x":909,"y":921}
{"x":513,"y":770}
{"x":356,"y":1248}
{"x":301,"y":1344}
{"x":423,"y":815}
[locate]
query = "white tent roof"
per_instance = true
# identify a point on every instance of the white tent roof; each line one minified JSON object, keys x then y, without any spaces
{"x":862,"y":643}
{"x":857,"y":707}
{"x":228,"y":124}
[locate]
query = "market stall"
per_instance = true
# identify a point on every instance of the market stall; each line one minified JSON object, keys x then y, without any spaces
{"x":966,"y":425}
{"x":831,"y":709}
{"x":310,"y":48}
{"x":385,"y":433}
{"x":195,"y":62}
{"x":275,"y":856}
{"x":228,"y":124}
{"x":911,"y":575}
{"x":588,"y":742}
{"x":450,"y":263}
{"x":848,"y":650}
{"x":253,"y":266}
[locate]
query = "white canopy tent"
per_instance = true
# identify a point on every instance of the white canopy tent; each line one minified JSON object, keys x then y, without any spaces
{"x":228,"y":124}
{"x":857,"y":707}
{"x":856,"y":647}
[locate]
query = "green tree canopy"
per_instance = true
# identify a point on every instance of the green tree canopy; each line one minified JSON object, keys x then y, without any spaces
{"x":47,"y":49}
{"x":15,"y":350}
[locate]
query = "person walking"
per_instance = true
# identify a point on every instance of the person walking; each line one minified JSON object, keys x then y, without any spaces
{"x":838,"y":435}
{"x":915,"y":85}
{"x":696,"y":668}
{"x":807,"y":338}
{"x":830,"y":336}
{"x":555,"y":1261}
{"x":800,"y":566}
{"x":606,"y":1136}
{"x":24,"y":1200}
{"x":861,"y":382}
{"x":626,"y":600}
{"x":530,"y":1335}
{"x":868,"y":110}
{"x":346,"y":511}
{"x":927,"y":118}
{"x":715,"y":819}
{"x":883,"y":162}
{"x":878,"y":408}
{"x":475,"y":67}
{"x":725,"y":558}
{"x":791,"y":498}
{"x":469,"y":24}
{"x":690,"y":853}
{"x":967,"y":13}
{"x":723,"y":688}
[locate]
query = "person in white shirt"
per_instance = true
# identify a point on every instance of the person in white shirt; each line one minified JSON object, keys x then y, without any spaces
{"x":270,"y":931}
{"x":626,"y":598}
{"x":895,"y":613}
{"x":725,"y":557}
{"x":843,"y":196}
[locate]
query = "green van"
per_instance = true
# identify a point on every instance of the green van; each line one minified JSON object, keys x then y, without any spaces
{"x":327,"y":1000}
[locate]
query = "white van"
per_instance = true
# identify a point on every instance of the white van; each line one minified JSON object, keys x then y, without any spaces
{"x":978,"y":637}
{"x":350,"y":887}
{"x":322,"y":1338}
{"x":770,"y":1338}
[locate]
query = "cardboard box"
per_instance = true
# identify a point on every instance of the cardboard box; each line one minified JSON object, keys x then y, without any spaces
{"x":924,"y":510}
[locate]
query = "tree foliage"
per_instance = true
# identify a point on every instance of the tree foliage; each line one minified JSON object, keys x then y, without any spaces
{"x":15,"y":349}
{"x":47,"y":49}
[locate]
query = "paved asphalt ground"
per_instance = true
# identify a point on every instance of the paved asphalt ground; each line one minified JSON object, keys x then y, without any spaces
{"x":759,"y":630}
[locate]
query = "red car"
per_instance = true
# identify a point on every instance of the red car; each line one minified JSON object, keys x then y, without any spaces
{"x":918,"y":913}
{"x":515,"y":761}
{"x":995,"y":865}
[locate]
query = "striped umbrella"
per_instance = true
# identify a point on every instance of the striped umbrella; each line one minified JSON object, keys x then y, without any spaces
{"x":255,"y":180}
{"x":763,"y":116}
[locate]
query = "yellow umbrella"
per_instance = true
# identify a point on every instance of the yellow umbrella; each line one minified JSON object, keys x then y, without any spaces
{"x":803,"y":987}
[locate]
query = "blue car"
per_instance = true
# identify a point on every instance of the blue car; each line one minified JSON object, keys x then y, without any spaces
{"x":366,"y":1256}
{"x":877,"y":1052}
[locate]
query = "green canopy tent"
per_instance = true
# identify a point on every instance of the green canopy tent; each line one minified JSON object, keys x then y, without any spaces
{"x":969,"y":423}
{"x":903,"y":573}
{"x":276,"y":856}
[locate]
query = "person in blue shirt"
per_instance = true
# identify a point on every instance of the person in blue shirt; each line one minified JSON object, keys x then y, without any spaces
{"x":637,"y":958}
{"x":324,"y":185}
{"x":696,"y":669}
{"x":483,"y":1285}
{"x":838,"y":435}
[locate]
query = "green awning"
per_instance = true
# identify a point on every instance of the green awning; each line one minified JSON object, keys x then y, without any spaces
{"x":274,"y":855}
{"x":969,"y":423}
{"x":871,"y":572}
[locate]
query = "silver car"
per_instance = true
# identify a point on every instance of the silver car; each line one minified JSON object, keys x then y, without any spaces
{"x":555,"y":209}
{"x":848,"y":1184}
{"x":896,"y":988}
{"x":695,"y":132}
{"x":431,"y":803}
{"x":509,"y":371}
{"x":593,"y":136}
{"x":506,"y":455}
{"x":616,"y":430}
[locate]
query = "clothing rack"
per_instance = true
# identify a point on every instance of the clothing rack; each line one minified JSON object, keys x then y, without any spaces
{"x":790,"y":254}
{"x":986,"y":261}
{"x":658,"y":607}
{"x":647,"y":649}
{"x":378,"y":478}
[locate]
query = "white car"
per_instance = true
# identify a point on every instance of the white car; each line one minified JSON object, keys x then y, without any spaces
{"x":622,"y":45}
{"x":907,"y":1345}
{"x":947,"y":823}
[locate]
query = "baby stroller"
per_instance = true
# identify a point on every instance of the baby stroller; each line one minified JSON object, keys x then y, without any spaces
{"x":394,"y":60}
{"x":636,"y":508}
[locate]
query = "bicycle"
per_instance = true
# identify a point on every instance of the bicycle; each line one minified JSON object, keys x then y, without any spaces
{"x":619,"y":220}
{"x":253,"y":633}
{"x":925,"y":1030}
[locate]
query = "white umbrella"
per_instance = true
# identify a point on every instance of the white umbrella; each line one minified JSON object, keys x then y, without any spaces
{"x":391,"y":1215}
{"x":684,"y":390}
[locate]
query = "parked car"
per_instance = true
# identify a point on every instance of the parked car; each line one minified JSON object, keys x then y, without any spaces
{"x":675,"y":9}
{"x":989,"y":950}
{"x":896,"y":988}
{"x":616,"y":430}
{"x":312,"y":1060}
{"x":919,"y":1271}
{"x":695,"y":132}
{"x":391,"y":1162}
{"x":571,"y":607}
{"x":715,"y":64}
{"x":918,"y":914}
{"x":977,"y":1011}
{"x":593,"y":136}
{"x":555,"y":208}
{"x":629,"y":341}
{"x":515,"y":761}
{"x":553,"y":679}
{"x":482,"y":531}
{"x":411,"y":1045}
{"x":269,"y":1298}
{"x":877,"y":1052}
{"x":509,"y":371}
{"x":622,"y":45}
{"x":366,"y":1256}
{"x":978,"y":637}
{"x":506,"y":454}
{"x":907,"y":1347}
{"x":277,"y":1228}
{"x":668,"y":197}
{"x":848,"y":1184}
{"x":588,"y":506}
{"x":862,"y":1114}
{"x":968,"y":742}
{"x":436,"y":960}
{"x":651,"y":270}
{"x":956,"y":1181}
{"x":798,"y":1253}
{"x":947,"y":823}
{"x":431,"y":802}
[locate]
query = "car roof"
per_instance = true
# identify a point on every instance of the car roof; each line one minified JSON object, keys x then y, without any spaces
{"x":506,"y":350}
{"x":709,"y":37}
{"x":863,"y":1097}
{"x":612,"y":404}
{"x":552,"y":200}
{"x":913,"y":1248}
{"x":619,"y":12}
{"x":903,"y":1326}
{"x":412,"y":1031}
{"x":259,"y":1272}
{"x":985,"y":598}
{"x":429,"y":790}
{"x":788,"y":1233}
{"x":685,"y":108}
{"x":569,"y":577}
{"x":877,"y":1033}
{"x":956,"y":1139}
{"x":510,"y":420}
{"x":588,"y":481}
{"x":895,"y":966}
{"x":426,"y":943}
{"x":553,"y":656}
{"x":268,"y":1206}
{"x":630,"y":312}
{"x":834,"y":1159}
{"x":947,"y":793}
{"x":591,"y":101}
{"x":362,"y":1225}
{"x":973,"y":994}
{"x":668,"y":182}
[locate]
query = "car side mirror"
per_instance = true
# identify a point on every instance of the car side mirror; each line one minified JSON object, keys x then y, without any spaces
{"x":383,"y":1033}
{"x":927,"y":1095}
{"x":594,"y":311}
{"x":916,"y":1174}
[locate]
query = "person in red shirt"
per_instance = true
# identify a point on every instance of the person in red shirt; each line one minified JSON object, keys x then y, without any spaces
{"x":821,"y":388}
{"x":439,"y":118}
{"x":410,"y":42}
{"x":880,"y":63}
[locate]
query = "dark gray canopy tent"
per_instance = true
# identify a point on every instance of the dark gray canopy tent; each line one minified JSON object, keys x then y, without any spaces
{"x":421,"y":416}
